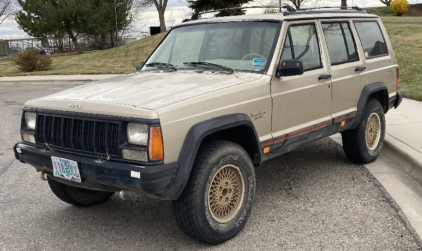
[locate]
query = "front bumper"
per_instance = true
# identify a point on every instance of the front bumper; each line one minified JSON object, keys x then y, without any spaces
{"x":156,"y":181}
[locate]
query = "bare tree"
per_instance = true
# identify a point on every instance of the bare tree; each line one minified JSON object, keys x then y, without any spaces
{"x":386,"y":2}
{"x":7,"y":9}
{"x":161,"y":6}
{"x":344,"y":4}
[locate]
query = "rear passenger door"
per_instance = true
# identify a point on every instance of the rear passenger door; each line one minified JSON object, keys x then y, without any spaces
{"x":378,"y":55}
{"x":346,"y":69}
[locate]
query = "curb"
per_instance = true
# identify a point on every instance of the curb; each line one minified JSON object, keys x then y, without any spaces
{"x":411,"y":157}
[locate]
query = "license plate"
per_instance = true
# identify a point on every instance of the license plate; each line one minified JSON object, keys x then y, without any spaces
{"x":66,"y":169}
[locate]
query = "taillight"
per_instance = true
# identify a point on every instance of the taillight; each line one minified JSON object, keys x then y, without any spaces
{"x":397,"y":78}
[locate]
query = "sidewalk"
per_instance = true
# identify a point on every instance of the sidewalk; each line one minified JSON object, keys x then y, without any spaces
{"x":56,"y":78}
{"x":404,"y":134}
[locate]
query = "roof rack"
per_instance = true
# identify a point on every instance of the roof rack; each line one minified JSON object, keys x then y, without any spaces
{"x":341,"y":9}
{"x":334,"y":7}
{"x":288,"y":8}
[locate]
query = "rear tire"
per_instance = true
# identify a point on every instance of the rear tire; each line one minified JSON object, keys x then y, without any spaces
{"x":218,"y":198}
{"x":363,"y":144}
{"x":78,"y":196}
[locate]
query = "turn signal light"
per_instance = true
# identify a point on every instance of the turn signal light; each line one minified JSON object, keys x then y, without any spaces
{"x":156,"y":150}
{"x":397,"y":78}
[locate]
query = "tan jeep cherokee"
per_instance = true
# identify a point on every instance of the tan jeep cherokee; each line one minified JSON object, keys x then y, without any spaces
{"x":214,"y":100}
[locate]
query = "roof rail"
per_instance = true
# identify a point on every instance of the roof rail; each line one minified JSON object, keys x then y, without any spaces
{"x":287,"y":8}
{"x":334,"y":7}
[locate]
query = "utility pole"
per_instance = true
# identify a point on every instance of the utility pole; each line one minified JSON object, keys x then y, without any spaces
{"x":280,"y":5}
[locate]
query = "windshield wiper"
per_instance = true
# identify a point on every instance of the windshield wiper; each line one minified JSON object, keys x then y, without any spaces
{"x":160,"y":65}
{"x":201,"y":64}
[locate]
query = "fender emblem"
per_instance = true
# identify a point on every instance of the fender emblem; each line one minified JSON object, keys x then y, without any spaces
{"x":259,"y":113}
{"x":76,"y":105}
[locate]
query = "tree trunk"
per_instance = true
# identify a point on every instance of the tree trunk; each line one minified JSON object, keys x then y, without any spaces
{"x":75,"y":42}
{"x":161,"y":8}
{"x":103,"y":42}
{"x":111,"y":39}
{"x":162,"y":20}
{"x":344,"y":4}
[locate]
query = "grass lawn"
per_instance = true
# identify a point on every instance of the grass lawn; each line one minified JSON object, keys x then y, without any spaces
{"x":406,"y":40}
{"x":117,"y":60}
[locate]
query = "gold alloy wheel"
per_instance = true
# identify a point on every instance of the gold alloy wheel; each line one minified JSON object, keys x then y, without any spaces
{"x":226,"y":193}
{"x":373,"y":131}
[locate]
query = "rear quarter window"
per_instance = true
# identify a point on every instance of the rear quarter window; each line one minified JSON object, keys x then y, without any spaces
{"x":371,"y":37}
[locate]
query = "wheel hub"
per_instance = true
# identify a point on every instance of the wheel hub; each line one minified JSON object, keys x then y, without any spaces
{"x":226,"y":193}
{"x":373,"y":131}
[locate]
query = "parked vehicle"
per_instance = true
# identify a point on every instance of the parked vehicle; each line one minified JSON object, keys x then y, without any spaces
{"x":217,"y":98}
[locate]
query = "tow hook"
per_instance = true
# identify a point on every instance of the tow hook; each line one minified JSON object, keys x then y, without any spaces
{"x":43,"y":175}
{"x":122,"y":195}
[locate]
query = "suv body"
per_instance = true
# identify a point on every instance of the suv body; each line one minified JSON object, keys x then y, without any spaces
{"x":297,"y":77}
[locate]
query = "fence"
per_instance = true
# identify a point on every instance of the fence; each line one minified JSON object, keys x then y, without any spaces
{"x":51,"y":45}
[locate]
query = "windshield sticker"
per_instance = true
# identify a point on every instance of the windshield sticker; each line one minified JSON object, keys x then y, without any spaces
{"x":259,"y":61}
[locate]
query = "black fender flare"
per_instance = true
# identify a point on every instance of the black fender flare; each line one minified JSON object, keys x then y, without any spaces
{"x":193,"y":140}
{"x":367,"y":91}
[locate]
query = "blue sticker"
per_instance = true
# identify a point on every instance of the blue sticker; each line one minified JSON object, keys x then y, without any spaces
{"x":259,"y":61}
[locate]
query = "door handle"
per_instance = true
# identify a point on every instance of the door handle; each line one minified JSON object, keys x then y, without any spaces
{"x":360,"y":68}
{"x":327,"y":76}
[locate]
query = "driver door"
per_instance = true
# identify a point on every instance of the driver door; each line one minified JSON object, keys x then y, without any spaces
{"x":301,"y":104}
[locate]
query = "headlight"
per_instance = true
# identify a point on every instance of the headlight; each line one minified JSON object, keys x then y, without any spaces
{"x":30,"y":120}
{"x":137,"y":134}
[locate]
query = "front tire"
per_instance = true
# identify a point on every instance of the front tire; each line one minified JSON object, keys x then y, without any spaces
{"x":218,"y":198}
{"x":78,"y":196}
{"x":363,"y":144}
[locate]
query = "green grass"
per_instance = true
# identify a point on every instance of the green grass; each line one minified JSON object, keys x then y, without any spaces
{"x":401,"y":19}
{"x":408,"y":49}
{"x":117,"y":60}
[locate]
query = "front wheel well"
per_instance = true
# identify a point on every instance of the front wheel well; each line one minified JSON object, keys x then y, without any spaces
{"x":242,"y":135}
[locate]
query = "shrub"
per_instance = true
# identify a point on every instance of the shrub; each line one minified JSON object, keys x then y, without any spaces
{"x":399,"y":6}
{"x":31,"y":60}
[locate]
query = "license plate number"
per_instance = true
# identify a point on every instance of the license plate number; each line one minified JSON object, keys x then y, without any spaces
{"x":66,"y":169}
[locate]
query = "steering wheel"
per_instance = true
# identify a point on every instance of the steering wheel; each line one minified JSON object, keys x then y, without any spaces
{"x":252,"y":54}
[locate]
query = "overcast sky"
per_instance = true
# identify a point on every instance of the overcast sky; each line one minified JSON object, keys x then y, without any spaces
{"x":176,"y":12}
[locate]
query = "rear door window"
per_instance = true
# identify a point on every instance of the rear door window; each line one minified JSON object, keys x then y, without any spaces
{"x":302,"y":43}
{"x":371,"y":37}
{"x":340,"y":43}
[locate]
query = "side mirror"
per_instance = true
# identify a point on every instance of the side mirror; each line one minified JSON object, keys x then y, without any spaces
{"x":290,"y":67}
{"x":139,"y":66}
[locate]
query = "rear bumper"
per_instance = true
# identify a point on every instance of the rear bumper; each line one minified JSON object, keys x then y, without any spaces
{"x":395,"y":100}
{"x":399,"y":98}
{"x":156,"y":181}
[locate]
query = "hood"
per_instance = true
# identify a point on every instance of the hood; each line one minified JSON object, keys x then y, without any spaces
{"x":149,"y":90}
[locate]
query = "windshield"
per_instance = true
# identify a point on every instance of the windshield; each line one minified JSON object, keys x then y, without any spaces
{"x":239,"y":46}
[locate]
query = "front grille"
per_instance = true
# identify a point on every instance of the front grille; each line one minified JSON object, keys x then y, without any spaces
{"x":94,"y":137}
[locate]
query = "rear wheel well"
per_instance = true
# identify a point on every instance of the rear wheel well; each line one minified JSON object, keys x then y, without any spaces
{"x":382,"y":97}
{"x":242,"y":135}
